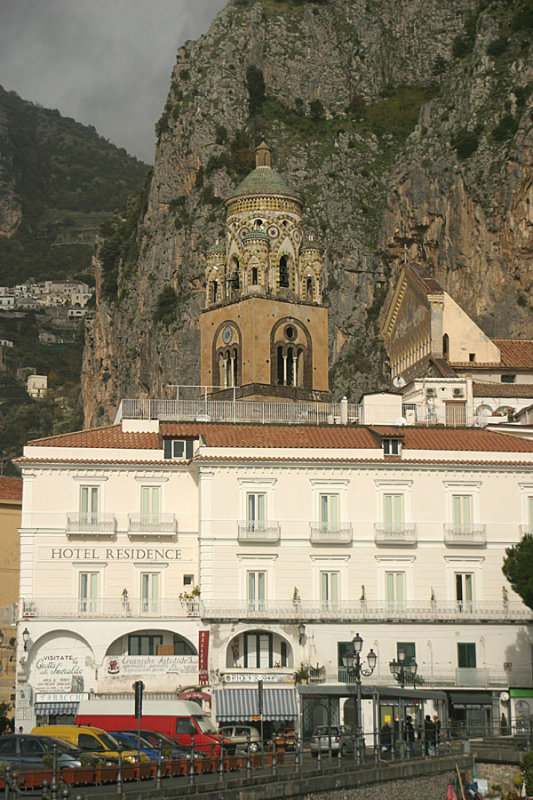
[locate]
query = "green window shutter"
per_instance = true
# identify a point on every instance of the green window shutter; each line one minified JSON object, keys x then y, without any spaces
{"x":334,"y":587}
{"x":324,"y":515}
{"x":334,"y":511}
{"x":261,"y":586}
{"x":261,"y":507}
{"x":84,"y":499}
{"x":387,"y":511}
{"x":468,"y":589}
{"x":389,"y":587}
{"x":400,"y":588}
{"x":467,"y":514}
{"x":398,"y":511}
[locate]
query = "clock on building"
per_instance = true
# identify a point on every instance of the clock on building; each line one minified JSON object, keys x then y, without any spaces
{"x":227,"y":335}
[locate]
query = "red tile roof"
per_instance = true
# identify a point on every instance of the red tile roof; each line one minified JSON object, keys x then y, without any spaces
{"x":11,"y":489}
{"x":502,"y":389}
{"x":459,"y":439}
{"x":424,"y":279}
{"x":111,"y":436}
{"x":516,"y":353}
{"x":312,"y":437}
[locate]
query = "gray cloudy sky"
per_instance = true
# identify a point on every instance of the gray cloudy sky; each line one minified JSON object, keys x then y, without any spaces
{"x":105,"y":63}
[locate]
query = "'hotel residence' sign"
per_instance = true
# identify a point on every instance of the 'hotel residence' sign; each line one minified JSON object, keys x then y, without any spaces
{"x":112,"y":553}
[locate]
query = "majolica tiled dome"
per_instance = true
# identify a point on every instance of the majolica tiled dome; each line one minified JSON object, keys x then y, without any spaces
{"x":263,"y":180}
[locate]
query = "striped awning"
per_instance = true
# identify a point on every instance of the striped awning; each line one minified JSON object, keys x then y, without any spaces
{"x":56,"y":708}
{"x":241,"y":704}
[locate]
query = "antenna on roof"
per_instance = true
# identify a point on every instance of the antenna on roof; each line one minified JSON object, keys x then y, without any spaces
{"x":398,"y":382}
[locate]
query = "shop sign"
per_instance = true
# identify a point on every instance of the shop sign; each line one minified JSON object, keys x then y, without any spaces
{"x":203,"y":655}
{"x":235,"y":677}
{"x":151,"y":665}
{"x":61,"y":673}
{"x":70,"y":697}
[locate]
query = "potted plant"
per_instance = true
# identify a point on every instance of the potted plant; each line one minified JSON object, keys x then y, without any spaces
{"x":302,"y":674}
{"x":189,"y":600}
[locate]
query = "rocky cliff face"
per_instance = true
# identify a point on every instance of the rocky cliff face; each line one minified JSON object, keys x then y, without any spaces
{"x":406,"y":127}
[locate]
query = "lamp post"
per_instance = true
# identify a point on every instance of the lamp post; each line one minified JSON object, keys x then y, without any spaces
{"x":401,"y":671}
{"x":354,"y":667}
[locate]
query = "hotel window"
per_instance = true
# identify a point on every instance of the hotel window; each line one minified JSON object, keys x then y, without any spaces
{"x":329,"y":590}
{"x":256,"y":511}
{"x":150,"y":592}
{"x":150,"y":504}
{"x":393,"y":506}
{"x":395,"y":590}
{"x":88,"y":505}
{"x":466,"y":655}
{"x":462,"y":513}
{"x":464,"y":590}
{"x":329,"y":513}
{"x":256,"y":590}
{"x":88,"y":592}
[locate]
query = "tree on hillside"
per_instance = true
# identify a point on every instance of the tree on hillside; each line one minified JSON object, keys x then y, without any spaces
{"x":518,"y":568}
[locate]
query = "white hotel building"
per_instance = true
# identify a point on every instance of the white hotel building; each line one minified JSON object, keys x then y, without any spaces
{"x":297,"y":537}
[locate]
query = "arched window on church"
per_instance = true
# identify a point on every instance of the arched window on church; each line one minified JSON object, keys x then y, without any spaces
{"x":445,"y":346}
{"x":255,"y":276}
{"x":283,"y":272}
{"x":309,"y":289}
{"x":214,"y":291}
{"x":235,"y":368}
{"x":280,"y":367}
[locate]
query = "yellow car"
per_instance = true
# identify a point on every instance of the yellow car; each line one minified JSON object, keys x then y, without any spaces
{"x":91,"y":740}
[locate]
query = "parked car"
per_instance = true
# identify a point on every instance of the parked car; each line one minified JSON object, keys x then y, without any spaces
{"x":340,"y":736}
{"x":27,"y":751}
{"x":238,"y":736}
{"x":129,"y":742}
{"x":90,"y":740}
{"x":169,"y":746}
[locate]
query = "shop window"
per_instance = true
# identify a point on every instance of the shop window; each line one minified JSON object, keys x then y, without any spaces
{"x":144,"y":644}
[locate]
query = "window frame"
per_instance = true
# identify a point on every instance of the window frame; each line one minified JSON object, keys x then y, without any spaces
{"x":462,"y":651}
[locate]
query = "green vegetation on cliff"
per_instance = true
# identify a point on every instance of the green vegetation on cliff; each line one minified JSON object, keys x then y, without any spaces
{"x":63,"y":179}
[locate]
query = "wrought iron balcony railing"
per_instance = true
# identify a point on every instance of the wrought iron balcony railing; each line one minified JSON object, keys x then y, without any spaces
{"x":152,"y":524}
{"x":397,"y":533}
{"x":331,"y":533}
{"x":467,"y":535}
{"x":258,"y":531}
{"x":92,"y":523}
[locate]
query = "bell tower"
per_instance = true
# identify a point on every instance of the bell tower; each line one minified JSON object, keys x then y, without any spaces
{"x":264,"y":330}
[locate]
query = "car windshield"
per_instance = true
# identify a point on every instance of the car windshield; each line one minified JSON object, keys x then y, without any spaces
{"x":59,"y":744}
{"x":108,"y":741}
{"x":205,"y":725}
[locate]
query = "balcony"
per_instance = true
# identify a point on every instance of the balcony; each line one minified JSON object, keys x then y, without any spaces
{"x":471,"y":676}
{"x":152,"y":525}
{"x":273,"y":610}
{"x":465,"y":535}
{"x":399,"y":533}
{"x":260,"y":531}
{"x":91,"y":523}
{"x":331,"y":533}
{"x":107,"y":608}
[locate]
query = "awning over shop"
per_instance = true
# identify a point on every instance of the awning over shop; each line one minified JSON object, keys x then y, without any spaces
{"x":464,"y":699}
{"x":241,"y":704}
{"x":56,"y":708}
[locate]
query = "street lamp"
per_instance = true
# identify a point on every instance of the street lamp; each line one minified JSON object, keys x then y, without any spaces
{"x":25,"y":639}
{"x":355,"y":669}
{"x":401,"y":671}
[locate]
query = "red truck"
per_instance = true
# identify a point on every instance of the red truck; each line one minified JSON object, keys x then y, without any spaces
{"x":180,"y":719}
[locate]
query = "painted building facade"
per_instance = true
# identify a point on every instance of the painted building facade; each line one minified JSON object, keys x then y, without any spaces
{"x":280,"y":542}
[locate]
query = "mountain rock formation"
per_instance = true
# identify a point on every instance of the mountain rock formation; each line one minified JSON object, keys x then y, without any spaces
{"x":405,"y":125}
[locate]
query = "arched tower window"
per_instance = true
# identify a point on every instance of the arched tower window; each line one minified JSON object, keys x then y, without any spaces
{"x":309,"y":289}
{"x":283,"y":272}
{"x":255,"y":276}
{"x":445,"y":346}
{"x":214,"y":291}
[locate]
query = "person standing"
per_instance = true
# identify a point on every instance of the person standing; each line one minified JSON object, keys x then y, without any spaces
{"x":410,"y":734}
{"x":429,"y":735}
